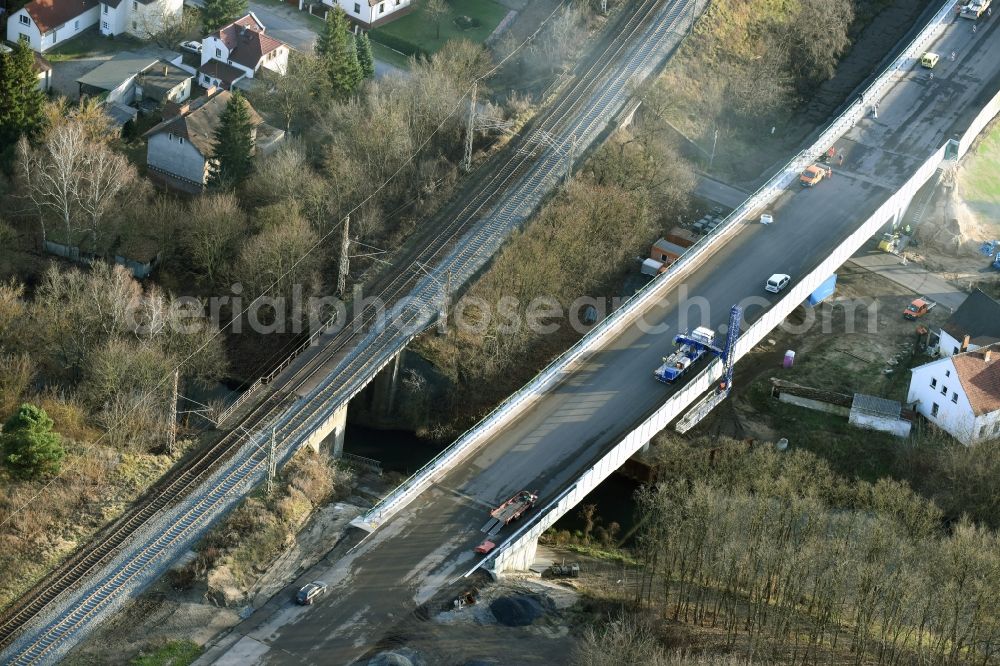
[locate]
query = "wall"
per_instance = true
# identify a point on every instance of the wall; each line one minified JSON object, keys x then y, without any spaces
{"x":955,"y":418}
{"x":15,"y":29}
{"x":809,"y":403}
{"x":72,"y":28}
{"x":987,"y":427}
{"x":212,"y":48}
{"x":364,"y":15}
{"x":897,"y":427}
{"x":279,"y":63}
{"x":949,"y":345}
{"x":174,"y":157}
{"x":114,"y":18}
{"x":148,"y":20}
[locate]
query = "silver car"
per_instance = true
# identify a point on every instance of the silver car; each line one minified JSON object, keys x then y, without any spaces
{"x":776,"y":282}
{"x":310,"y":592}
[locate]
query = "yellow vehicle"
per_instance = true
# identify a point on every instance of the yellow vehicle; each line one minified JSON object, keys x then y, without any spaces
{"x":929,"y":59}
{"x":813,"y":174}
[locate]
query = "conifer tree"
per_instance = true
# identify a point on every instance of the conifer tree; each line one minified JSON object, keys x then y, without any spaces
{"x":365,"y":57}
{"x":233,"y":152}
{"x":337,"y":49}
{"x":218,"y":13}
{"x":22,"y":104}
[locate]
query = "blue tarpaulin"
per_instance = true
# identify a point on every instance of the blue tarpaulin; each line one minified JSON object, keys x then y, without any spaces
{"x":824,"y":291}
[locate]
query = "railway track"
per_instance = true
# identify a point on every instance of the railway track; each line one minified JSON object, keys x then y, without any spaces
{"x":519,"y":165}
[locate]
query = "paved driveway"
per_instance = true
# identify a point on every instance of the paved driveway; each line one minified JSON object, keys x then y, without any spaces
{"x":65,"y":74}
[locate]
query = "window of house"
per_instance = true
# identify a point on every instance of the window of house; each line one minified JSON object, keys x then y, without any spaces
{"x":357,"y":7}
{"x":954,"y":398}
{"x":25,"y":20}
{"x":947,"y":373}
{"x":982,"y":432}
{"x":105,"y":8}
{"x":135,"y":6}
{"x":955,"y":350}
{"x":76,"y":25}
{"x":218,"y":53}
{"x":180,"y":140}
{"x":934,"y":409}
{"x":996,"y":428}
{"x":933,"y":382}
{"x":944,"y":390}
{"x":170,"y":136}
{"x":397,"y":2}
{"x":135,"y":25}
{"x":381,"y":8}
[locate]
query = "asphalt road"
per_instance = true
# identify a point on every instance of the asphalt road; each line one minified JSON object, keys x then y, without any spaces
{"x":430,"y":543}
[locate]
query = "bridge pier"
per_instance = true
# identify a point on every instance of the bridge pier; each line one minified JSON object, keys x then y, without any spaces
{"x":519,"y":558}
{"x":330,"y":434}
{"x":393,"y":387}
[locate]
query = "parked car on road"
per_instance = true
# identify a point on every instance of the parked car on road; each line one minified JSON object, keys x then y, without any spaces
{"x":192,"y":46}
{"x":310,"y":592}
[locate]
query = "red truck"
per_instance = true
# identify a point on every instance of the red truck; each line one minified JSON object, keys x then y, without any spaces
{"x":511,"y":510}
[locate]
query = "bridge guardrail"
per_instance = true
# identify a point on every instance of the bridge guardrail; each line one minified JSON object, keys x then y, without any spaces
{"x":550,"y":374}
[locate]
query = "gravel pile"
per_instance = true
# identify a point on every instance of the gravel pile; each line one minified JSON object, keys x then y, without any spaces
{"x":517,"y":610}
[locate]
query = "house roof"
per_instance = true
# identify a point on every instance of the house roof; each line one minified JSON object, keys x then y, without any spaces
{"x":198,"y":123}
{"x":247,"y":42}
{"x":876,"y":406}
{"x":49,"y":14}
{"x":978,"y":317}
{"x":160,"y":78}
{"x":220,"y":70}
{"x":980,"y":377}
{"x":111,"y":74}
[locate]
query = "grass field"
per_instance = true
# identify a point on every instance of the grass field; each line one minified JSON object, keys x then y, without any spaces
{"x":980,"y":181}
{"x":92,"y":42}
{"x":417,"y":30}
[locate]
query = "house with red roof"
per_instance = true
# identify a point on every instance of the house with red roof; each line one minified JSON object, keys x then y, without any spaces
{"x":46,"y":23}
{"x":238,"y":51}
{"x":961,"y":393}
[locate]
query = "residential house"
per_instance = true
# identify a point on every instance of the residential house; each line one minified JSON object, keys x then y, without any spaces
{"x":974,"y":324}
{"x":131,"y":77}
{"x":179,"y":150}
{"x":238,"y":51}
{"x":45,"y":23}
{"x":960,"y":393}
{"x":43,"y":69}
{"x":139,"y":18}
{"x":372,"y":13}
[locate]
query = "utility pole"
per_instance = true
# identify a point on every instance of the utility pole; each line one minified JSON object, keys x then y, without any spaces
{"x":467,"y":161}
{"x":570,"y":156}
{"x":271,"y":462}
{"x":715,"y":140}
{"x":172,"y":434}
{"x":604,"y":6}
{"x":344,"y":265}
{"x":443,"y":306}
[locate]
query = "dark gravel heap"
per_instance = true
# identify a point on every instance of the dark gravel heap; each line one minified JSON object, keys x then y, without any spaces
{"x":516,"y":610}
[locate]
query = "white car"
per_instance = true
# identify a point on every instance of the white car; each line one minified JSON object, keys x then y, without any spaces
{"x":309,"y":592}
{"x":776,"y":282}
{"x":192,"y":46}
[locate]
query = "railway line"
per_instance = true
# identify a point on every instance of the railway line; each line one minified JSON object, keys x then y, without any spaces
{"x":524,"y":166}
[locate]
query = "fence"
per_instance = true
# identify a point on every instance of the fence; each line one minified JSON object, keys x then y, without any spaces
{"x":656,"y":289}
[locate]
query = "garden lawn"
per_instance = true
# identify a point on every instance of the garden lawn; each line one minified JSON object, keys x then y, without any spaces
{"x":419,"y":33}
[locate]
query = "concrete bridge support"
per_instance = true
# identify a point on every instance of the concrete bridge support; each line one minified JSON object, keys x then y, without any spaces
{"x":330,"y":434}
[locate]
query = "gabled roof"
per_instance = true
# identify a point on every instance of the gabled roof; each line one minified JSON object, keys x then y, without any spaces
{"x":978,"y":317}
{"x":49,"y":14}
{"x":221,"y":71}
{"x":199,"y":122}
{"x":980,"y":378}
{"x":247,"y":42}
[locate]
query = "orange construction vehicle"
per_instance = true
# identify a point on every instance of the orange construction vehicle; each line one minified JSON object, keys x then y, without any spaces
{"x":813,"y":174}
{"x":918,"y":308}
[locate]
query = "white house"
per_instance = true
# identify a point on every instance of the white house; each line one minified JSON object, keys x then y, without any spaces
{"x":372,"y":13}
{"x":238,"y":51}
{"x":45,"y":23}
{"x":961,"y":393}
{"x":139,"y":18}
{"x":179,"y":149}
{"x":974,"y":324}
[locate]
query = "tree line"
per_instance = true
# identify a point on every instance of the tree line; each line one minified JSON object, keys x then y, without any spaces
{"x":793,"y":563}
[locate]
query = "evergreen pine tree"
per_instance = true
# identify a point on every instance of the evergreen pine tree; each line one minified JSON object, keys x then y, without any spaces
{"x":365,"y":57}
{"x":22,"y":104}
{"x":336,"y":47}
{"x":233,"y":152}
{"x":217,"y":13}
{"x":30,"y":448}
